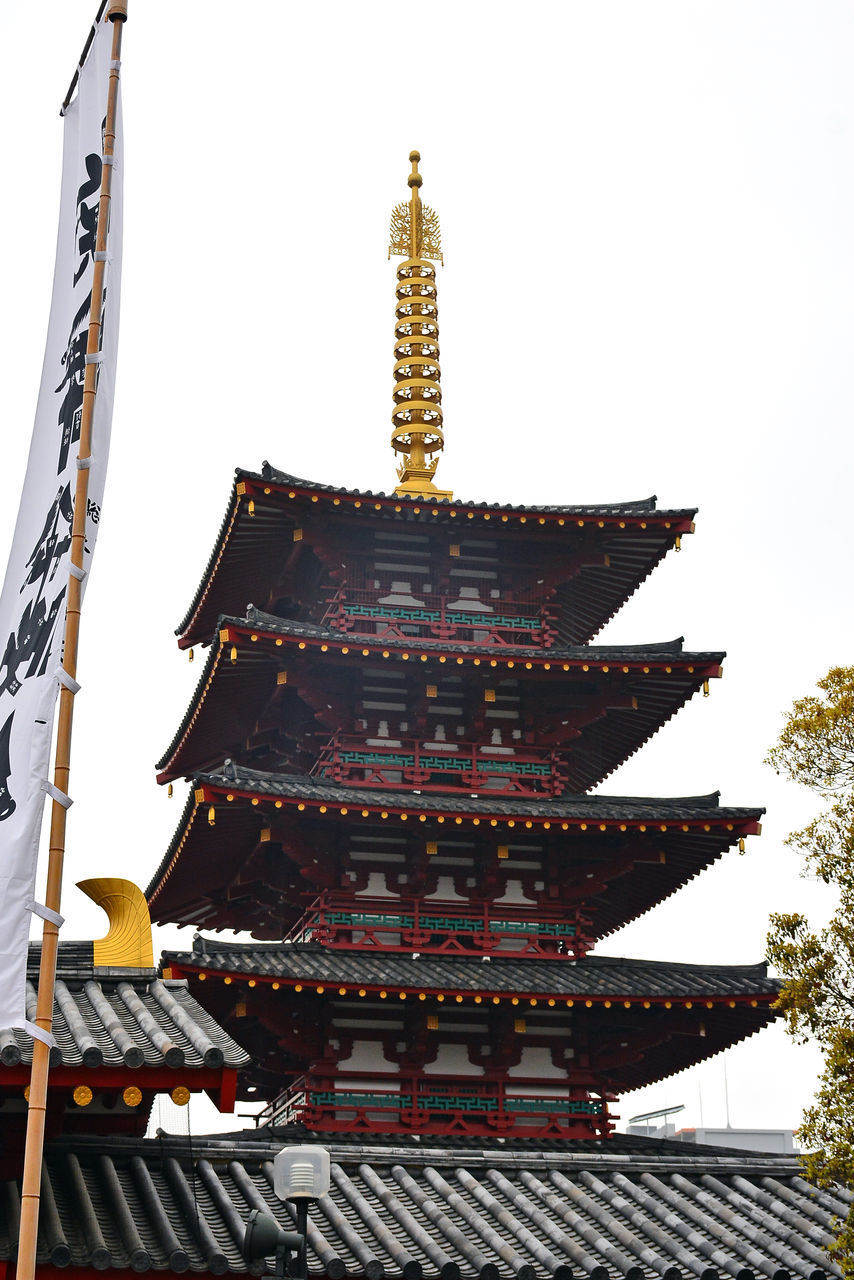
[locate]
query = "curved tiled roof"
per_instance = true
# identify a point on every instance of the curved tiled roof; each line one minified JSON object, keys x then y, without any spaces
{"x":231,"y":853}
{"x":637,"y":567}
{"x":634,"y":1209}
{"x":617,"y":808}
{"x":655,"y":652}
{"x":121,"y":1018}
{"x":597,"y":976}
{"x":658,"y":696}
{"x":635,"y":506}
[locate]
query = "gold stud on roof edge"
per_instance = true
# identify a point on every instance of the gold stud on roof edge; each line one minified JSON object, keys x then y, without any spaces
{"x":417,"y":414}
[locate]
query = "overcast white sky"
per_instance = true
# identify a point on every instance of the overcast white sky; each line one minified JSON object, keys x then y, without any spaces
{"x":646,"y":210}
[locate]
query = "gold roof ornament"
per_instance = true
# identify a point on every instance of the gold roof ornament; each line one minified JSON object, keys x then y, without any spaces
{"x":417,"y":414}
{"x":127,"y":944}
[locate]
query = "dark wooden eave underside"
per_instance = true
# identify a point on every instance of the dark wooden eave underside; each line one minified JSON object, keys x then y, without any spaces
{"x":646,"y":685}
{"x":666,"y":1016}
{"x":634,"y":536}
{"x":249,"y":882}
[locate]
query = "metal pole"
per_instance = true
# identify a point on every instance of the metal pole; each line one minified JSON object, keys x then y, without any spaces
{"x":302,"y":1228}
{"x":50,"y":934}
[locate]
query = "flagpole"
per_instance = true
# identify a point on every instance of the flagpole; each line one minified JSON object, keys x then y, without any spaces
{"x":37,"y":1106}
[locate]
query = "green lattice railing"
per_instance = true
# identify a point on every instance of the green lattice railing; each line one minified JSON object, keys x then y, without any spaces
{"x":462,"y":1101}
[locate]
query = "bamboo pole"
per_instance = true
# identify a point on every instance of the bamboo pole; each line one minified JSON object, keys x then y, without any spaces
{"x":37,"y":1107}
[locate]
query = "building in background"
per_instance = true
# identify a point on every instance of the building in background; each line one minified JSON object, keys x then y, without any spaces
{"x":390,"y":753}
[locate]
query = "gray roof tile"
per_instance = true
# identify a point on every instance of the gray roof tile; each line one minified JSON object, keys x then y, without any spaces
{"x":271,"y":524}
{"x":595,"y":975}
{"x":600,"y":807}
{"x":628,"y":1207}
{"x":121,"y":1017}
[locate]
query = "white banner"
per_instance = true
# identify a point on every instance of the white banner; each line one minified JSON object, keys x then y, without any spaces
{"x":33,"y":600}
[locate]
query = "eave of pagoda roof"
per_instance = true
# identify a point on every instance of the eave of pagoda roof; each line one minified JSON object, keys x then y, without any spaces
{"x":674,"y":1014}
{"x":597,"y":978}
{"x":231,"y":694}
{"x":634,"y":508}
{"x":237,"y":892}
{"x":244,"y":557}
{"x":514,"y":656}
{"x":572,"y":809}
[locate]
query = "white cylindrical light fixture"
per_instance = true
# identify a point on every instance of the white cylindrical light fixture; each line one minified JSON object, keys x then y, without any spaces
{"x":301,"y":1173}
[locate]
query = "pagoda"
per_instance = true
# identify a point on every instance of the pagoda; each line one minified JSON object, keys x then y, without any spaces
{"x":391,"y":751}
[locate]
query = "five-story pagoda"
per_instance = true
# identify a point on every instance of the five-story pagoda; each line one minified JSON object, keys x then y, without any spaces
{"x":391,"y":754}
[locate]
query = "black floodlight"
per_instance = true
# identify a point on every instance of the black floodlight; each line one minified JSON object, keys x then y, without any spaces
{"x":264,"y":1238}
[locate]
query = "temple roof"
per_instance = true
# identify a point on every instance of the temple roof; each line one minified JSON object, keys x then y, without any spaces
{"x":647,"y":1020}
{"x":636,"y":507}
{"x":232,"y":892}
{"x":631,"y":1207}
{"x":658,"y":651}
{"x":650,"y":682}
{"x":128,"y":1017}
{"x":247,"y":553}
{"x":596,"y":977}
{"x":579,"y":807}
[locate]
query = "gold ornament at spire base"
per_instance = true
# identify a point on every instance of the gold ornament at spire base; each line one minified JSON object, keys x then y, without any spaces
{"x":417,"y":413}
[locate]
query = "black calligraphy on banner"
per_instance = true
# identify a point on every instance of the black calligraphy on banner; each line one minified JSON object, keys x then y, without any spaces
{"x":30,"y":645}
{"x":7,"y":804}
{"x":87,"y":215}
{"x":74,"y":373}
{"x":74,"y":358}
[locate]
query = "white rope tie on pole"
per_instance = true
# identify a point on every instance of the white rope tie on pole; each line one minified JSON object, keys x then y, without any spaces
{"x":45,"y":913}
{"x":83,"y":464}
{"x":36,"y":1032}
{"x":96,"y":356}
{"x":67,"y":681}
{"x":77,"y":572}
{"x":55,"y":794}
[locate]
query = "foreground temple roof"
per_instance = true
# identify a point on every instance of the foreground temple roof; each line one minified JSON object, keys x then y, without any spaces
{"x":630,"y":1207}
{"x":122,"y":1035}
{"x":631,"y":539}
{"x":113,"y":1017}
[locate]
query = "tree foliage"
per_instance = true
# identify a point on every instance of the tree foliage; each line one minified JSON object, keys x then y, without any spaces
{"x":816,"y":749}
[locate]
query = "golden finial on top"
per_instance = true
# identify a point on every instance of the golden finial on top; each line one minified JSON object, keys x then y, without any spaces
{"x":415,"y":231}
{"x":417,"y":413}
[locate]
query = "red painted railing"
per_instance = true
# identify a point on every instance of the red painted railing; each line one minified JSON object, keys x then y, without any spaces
{"x":348,"y":923}
{"x":443,"y":766}
{"x":440,"y":1105}
{"x":498,"y":622}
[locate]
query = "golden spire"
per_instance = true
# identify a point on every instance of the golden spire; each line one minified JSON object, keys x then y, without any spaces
{"x":417,"y":413}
